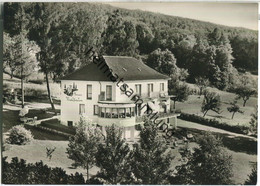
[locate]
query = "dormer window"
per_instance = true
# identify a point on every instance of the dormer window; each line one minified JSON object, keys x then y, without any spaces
{"x":124,"y":69}
{"x":139,"y":69}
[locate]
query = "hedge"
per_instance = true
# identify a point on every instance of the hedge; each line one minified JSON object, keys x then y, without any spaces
{"x":214,"y":123}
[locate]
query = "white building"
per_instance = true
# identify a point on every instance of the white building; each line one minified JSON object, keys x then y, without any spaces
{"x":115,"y":90}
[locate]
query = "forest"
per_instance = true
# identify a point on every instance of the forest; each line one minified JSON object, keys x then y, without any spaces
{"x":59,"y":36}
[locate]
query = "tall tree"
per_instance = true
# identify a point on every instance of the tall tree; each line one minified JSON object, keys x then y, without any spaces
{"x":145,"y":37}
{"x":21,"y":58}
{"x":131,"y":42}
{"x":162,"y":61}
{"x":112,"y":158}
{"x":82,"y":147}
{"x":9,"y":61}
{"x":209,"y":164}
{"x":46,"y":17}
{"x":150,"y":161}
{"x":222,"y":66}
{"x":114,"y":36}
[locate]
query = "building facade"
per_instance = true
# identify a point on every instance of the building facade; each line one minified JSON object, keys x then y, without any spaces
{"x":114,"y":90}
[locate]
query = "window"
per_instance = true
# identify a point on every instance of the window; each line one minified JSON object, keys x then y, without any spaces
{"x":121,"y":113}
{"x":70,"y":123}
{"x":114,"y":113}
{"x":96,"y":111}
{"x":108,"y":113}
{"x":150,"y":89}
{"x":161,"y":86}
{"x":109,"y":92}
{"x":89,"y":91}
{"x":133,"y":111}
{"x":102,"y":112}
{"x":138,"y":89}
{"x":82,"y":109}
{"x":128,"y":113}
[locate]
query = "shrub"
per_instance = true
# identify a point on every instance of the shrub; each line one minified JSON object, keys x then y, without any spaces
{"x":214,"y":123}
{"x":32,"y":92}
{"x":19,"y":135}
{"x":36,"y":81}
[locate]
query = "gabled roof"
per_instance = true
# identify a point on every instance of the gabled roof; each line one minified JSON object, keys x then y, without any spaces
{"x":127,"y":68}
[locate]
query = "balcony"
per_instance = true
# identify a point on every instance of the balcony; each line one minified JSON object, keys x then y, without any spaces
{"x":160,"y":115}
{"x":155,"y":95}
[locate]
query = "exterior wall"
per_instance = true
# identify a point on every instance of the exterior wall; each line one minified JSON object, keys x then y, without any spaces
{"x":144,"y":90}
{"x":70,"y":103}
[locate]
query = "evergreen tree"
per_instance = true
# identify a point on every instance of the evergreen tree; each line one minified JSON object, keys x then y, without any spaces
{"x":112,"y":158}
{"x":252,"y":178}
{"x":82,"y":147}
{"x":209,"y":164}
{"x":150,"y":161}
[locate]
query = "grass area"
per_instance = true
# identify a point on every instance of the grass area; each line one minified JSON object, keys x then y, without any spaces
{"x":55,"y":124}
{"x":43,"y":99}
{"x":194,"y":102}
{"x":40,"y":134}
{"x":11,"y":117}
{"x":36,"y":151}
{"x":32,"y":89}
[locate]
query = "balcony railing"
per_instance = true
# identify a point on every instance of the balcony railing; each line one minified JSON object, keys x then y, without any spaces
{"x":160,"y":115}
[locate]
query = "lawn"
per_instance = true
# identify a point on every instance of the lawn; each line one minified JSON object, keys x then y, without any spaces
{"x":11,"y":117}
{"x":194,"y":102}
{"x":36,"y":151}
{"x":32,"y":89}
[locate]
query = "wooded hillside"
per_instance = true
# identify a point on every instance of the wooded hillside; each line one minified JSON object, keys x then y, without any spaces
{"x":64,"y":33}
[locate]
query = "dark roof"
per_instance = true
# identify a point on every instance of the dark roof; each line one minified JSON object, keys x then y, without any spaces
{"x":128,"y":68}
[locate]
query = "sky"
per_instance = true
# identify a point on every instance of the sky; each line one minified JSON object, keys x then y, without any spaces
{"x":229,"y":14}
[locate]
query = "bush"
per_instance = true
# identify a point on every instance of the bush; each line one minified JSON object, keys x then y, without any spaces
{"x":19,"y":135}
{"x":18,"y":172}
{"x":36,"y":81}
{"x":32,"y":92}
{"x":214,"y":123}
